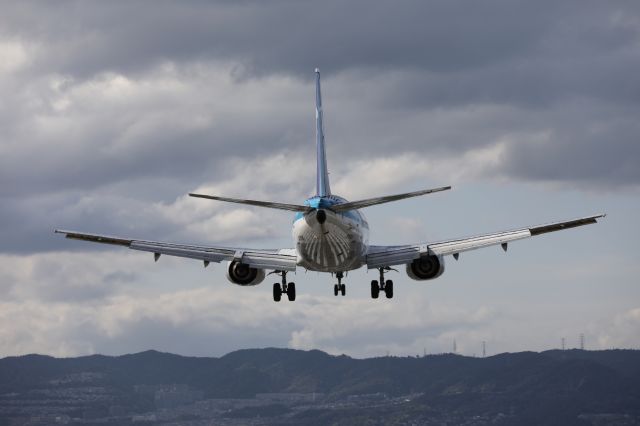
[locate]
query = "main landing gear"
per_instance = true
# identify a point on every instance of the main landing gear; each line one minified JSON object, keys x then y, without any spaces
{"x":386,"y":286}
{"x":339,"y":288}
{"x":288,"y":289}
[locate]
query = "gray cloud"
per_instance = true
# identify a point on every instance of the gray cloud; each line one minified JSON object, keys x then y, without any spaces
{"x":111,"y":112}
{"x":281,"y":36}
{"x":137,"y":104}
{"x":495,"y":50}
{"x":214,"y":320}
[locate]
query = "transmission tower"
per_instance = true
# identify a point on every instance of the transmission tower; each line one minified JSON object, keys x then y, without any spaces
{"x":484,"y":349}
{"x":563,"y":344}
{"x":581,"y":341}
{"x":455,"y":347}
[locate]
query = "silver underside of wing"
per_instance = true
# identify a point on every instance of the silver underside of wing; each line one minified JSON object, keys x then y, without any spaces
{"x":275,"y":259}
{"x":466,"y":244}
{"x":381,"y":256}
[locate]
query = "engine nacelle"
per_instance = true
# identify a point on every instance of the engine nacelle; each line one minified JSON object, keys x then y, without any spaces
{"x":244,"y":275}
{"x":426,"y":268}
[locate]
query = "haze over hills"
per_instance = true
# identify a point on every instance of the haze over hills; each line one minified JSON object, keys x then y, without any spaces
{"x":283,"y":386}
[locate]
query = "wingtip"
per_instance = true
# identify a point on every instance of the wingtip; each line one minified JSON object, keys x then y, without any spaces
{"x":443,"y":188}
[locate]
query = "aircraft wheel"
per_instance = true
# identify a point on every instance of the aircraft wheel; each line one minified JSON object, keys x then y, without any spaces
{"x":388,"y":289}
{"x":277,"y":292}
{"x":343,"y":289}
{"x":375,"y":289}
{"x":335,"y":290}
{"x":291,"y":291}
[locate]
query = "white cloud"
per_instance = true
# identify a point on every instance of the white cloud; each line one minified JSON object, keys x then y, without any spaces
{"x":14,"y":54}
{"x":366,"y":178}
{"x":65,"y":276}
{"x":209,"y":316}
{"x":77,"y":303}
{"x":622,"y":331}
{"x":362,"y":328}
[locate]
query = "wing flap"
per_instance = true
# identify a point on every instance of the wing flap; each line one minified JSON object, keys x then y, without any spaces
{"x":193,"y":253}
{"x":275,"y":261}
{"x":457,"y":246}
{"x":381,"y":256}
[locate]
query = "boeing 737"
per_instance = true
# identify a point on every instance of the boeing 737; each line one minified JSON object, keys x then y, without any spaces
{"x":331,"y":235}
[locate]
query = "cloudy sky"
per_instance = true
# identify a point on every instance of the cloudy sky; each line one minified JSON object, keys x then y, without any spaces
{"x":110,"y":113}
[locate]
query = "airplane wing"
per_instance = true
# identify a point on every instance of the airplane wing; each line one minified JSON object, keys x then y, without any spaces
{"x":381,"y":256}
{"x":280,"y":260}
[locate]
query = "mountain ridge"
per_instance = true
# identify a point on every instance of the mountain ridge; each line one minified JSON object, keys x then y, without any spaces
{"x":532,"y":387}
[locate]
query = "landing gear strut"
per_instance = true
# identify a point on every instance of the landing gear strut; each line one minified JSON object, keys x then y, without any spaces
{"x":284,"y":288}
{"x":339,"y":288}
{"x":386,"y":286}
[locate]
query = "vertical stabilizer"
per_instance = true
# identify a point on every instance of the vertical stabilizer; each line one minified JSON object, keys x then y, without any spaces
{"x":322,"y":177}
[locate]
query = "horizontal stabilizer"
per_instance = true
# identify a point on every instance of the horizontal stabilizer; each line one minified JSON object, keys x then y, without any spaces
{"x":268,"y":204}
{"x":353,"y":205}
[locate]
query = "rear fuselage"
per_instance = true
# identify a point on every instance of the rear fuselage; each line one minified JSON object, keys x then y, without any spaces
{"x":327,"y":241}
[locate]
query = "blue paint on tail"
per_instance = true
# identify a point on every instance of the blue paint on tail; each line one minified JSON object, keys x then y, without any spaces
{"x":322,"y":177}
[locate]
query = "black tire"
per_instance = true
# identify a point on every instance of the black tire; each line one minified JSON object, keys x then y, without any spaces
{"x":335,"y":290}
{"x":388,"y":289}
{"x":343,"y":289}
{"x":277,"y":292}
{"x":375,"y":289}
{"x":291,"y":292}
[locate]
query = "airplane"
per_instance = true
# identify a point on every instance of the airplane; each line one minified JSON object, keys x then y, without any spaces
{"x":330,"y":235}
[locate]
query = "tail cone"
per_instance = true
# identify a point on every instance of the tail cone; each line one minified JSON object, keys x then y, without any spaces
{"x":321,"y":216}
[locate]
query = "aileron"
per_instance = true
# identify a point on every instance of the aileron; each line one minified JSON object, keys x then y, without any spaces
{"x":104,"y":239}
{"x":559,"y":226}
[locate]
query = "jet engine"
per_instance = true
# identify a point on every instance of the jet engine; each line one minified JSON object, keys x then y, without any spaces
{"x":426,"y":268}
{"x":244,"y":275}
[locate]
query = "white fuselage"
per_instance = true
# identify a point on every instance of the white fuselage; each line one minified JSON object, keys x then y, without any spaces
{"x":337,"y":243}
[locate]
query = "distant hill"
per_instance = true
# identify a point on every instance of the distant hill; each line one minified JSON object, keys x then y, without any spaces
{"x":553,"y":387}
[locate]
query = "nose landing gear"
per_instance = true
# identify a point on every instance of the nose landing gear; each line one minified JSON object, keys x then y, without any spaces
{"x":284,"y":288}
{"x":385,"y":286}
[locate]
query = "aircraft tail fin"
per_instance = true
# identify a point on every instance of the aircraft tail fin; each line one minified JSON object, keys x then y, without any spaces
{"x":322,"y":176}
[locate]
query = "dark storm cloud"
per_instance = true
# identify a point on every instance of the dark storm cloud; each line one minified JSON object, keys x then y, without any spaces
{"x":131,"y":102}
{"x":282,"y":36}
{"x":595,"y":150}
{"x":292,"y":37}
